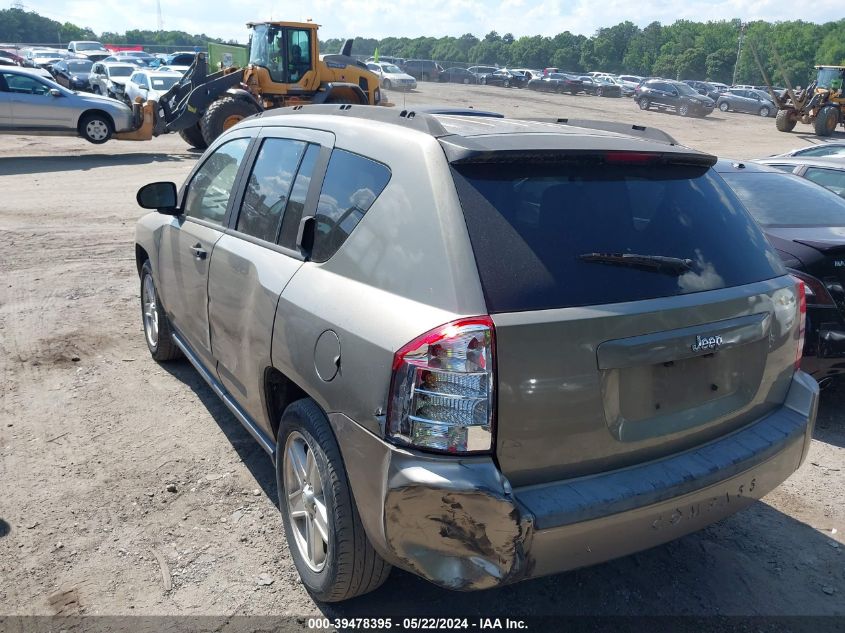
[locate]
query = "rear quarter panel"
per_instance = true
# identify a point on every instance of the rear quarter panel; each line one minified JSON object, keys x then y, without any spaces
{"x":407,"y":268}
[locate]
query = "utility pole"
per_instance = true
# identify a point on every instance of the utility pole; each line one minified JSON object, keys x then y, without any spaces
{"x":160,"y":22}
{"x":742,"y":27}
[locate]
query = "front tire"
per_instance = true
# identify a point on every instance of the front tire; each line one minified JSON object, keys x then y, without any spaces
{"x":223,"y":114}
{"x":333,"y":556}
{"x":683,"y":110}
{"x":387,"y":84}
{"x":96,"y":128}
{"x":157,"y":330}
{"x":644,"y":103}
{"x":764,"y":112}
{"x":826,"y":121}
{"x":600,"y":92}
{"x":193,"y":136}
{"x":724,"y":107}
{"x":784,"y":121}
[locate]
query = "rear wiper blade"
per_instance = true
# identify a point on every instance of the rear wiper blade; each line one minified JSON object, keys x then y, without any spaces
{"x":656,"y":263}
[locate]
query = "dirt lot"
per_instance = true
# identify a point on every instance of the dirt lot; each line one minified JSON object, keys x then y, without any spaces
{"x":92,"y":431}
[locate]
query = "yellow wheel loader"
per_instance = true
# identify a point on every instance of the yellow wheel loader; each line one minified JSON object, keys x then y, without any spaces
{"x":821,"y":104}
{"x":285,"y":68}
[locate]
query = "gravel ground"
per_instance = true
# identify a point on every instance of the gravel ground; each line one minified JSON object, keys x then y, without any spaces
{"x":128,"y":488}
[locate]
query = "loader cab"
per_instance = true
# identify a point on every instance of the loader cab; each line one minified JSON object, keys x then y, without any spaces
{"x":287,"y":50}
{"x":830,"y":78}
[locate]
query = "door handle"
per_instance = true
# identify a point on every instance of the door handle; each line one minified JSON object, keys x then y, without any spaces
{"x":198,"y":251}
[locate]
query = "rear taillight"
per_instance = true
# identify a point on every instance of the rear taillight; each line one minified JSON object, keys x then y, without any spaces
{"x":800,"y":287}
{"x":442,"y":389}
{"x":815,"y":291}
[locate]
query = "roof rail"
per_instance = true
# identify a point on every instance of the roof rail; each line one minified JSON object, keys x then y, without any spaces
{"x":420,"y":121}
{"x":628,"y":129}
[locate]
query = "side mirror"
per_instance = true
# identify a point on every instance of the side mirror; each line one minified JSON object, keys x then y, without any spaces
{"x":55,"y":92}
{"x":160,"y":196}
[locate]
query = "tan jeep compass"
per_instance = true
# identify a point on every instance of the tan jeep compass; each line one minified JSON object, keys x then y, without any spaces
{"x":476,"y":348}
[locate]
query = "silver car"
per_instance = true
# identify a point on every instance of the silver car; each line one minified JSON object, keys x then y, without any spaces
{"x":31,"y":104}
{"x":747,"y":100}
{"x":827,"y":171}
{"x":461,"y":358}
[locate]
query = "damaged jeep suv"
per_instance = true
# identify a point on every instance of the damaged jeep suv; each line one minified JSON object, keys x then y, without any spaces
{"x":480,"y":349}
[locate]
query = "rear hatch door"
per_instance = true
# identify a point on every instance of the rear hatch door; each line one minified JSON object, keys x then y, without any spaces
{"x":605,"y":361}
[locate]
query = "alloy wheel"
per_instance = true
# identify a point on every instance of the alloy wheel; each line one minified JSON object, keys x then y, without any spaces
{"x":150,"y":311}
{"x":306,"y":503}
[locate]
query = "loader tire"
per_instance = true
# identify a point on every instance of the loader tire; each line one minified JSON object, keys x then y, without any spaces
{"x":223,"y":114}
{"x":826,"y":121}
{"x":784,"y":121}
{"x":193,"y":136}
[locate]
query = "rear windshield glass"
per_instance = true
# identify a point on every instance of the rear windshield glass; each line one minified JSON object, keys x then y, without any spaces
{"x":530,"y":225}
{"x":770,"y":197}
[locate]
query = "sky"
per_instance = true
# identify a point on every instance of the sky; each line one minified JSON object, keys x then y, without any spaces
{"x":411,"y":18}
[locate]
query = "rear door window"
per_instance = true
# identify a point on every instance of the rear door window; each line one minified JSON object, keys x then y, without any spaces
{"x":268,"y":188}
{"x":535,"y":231}
{"x":298,"y":196}
{"x":352,"y":184}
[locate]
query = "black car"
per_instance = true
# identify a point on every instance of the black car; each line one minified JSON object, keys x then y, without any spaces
{"x":457,"y":76}
{"x":556,"y":82}
{"x":594,"y":86}
{"x":73,"y":73}
{"x":810,"y":239}
{"x":423,"y":69}
{"x":665,"y":94}
{"x":703,"y":88}
{"x":504,"y":78}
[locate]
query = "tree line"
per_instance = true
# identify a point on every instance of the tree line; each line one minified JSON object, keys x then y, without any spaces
{"x":684,"y":49}
{"x":20,"y":26}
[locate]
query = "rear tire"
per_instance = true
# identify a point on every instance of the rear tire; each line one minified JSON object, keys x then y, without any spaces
{"x":387,"y":84}
{"x":349,"y":565}
{"x":784,"y":121}
{"x":644,"y":103}
{"x":826,"y":121}
{"x":193,"y":136}
{"x":223,"y":114}
{"x":600,"y":92}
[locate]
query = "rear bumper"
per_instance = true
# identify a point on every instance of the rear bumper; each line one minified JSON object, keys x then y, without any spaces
{"x":459,"y":524}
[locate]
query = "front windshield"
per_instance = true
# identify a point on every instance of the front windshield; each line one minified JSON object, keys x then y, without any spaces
{"x":830,"y":78}
{"x":391,"y":69}
{"x":79,"y":67}
{"x":121,"y":71}
{"x":763,"y":194}
{"x":89,"y":46}
{"x":163,"y":83}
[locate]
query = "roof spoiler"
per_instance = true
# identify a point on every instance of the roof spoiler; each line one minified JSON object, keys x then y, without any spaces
{"x":628,"y":129}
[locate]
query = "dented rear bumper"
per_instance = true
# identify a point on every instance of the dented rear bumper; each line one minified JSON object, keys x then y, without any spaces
{"x":458,"y":523}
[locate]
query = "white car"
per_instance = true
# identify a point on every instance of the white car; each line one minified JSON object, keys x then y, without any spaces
{"x":110,"y":79}
{"x":150,"y":84}
{"x":392,"y":76}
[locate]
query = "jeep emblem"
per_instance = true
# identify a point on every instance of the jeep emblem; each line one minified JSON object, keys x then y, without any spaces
{"x":706,"y":342}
